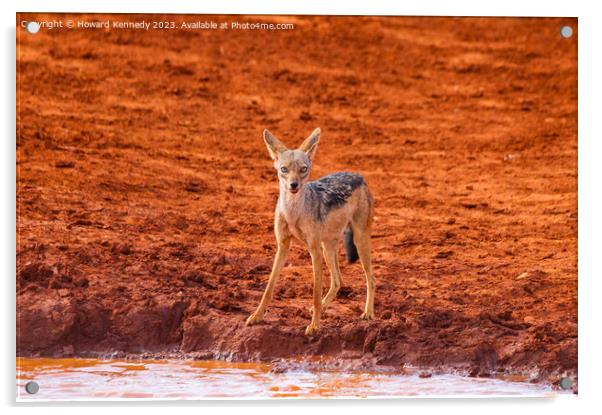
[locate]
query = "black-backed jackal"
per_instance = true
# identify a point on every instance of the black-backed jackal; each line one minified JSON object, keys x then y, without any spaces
{"x":318,"y":213}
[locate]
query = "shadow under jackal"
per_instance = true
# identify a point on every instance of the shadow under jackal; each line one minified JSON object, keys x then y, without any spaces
{"x":318,"y":213}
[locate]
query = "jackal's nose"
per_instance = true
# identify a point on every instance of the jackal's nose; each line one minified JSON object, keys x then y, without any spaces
{"x":294,"y":185}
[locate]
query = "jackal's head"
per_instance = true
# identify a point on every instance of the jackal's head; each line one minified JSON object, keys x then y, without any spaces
{"x":293,"y":166}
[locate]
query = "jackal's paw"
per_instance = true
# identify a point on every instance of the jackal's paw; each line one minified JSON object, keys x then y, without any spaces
{"x":312,"y":329}
{"x":254,"y":319}
{"x":367,"y":315}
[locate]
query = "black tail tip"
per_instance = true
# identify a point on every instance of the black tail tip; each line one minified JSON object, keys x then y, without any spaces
{"x":350,"y":248}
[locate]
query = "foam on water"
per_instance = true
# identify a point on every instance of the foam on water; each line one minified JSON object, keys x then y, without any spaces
{"x":92,"y":379}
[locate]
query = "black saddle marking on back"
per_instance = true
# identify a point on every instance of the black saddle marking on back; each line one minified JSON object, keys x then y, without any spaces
{"x":331,"y":192}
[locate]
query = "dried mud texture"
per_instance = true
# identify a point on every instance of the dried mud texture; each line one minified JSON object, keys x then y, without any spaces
{"x":145,"y":194}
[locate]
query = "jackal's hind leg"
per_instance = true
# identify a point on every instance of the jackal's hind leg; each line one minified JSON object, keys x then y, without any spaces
{"x":361,"y":238}
{"x":332,"y":262}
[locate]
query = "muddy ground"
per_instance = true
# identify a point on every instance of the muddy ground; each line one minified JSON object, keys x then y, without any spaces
{"x":145,"y":194}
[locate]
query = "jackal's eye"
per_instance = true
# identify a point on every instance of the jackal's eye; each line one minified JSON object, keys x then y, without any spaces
{"x":283,"y":169}
{"x":304,"y":169}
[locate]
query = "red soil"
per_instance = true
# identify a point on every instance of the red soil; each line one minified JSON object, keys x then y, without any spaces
{"x":145,"y":194}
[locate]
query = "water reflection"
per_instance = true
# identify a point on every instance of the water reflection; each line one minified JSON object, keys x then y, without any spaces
{"x":92,"y":379}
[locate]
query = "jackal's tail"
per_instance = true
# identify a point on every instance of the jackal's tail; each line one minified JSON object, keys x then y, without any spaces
{"x":350,"y":248}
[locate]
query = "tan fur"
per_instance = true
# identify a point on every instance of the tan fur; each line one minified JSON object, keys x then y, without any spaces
{"x":293,"y":218}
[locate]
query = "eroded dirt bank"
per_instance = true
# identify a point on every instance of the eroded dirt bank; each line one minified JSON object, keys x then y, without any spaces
{"x":145,"y":194}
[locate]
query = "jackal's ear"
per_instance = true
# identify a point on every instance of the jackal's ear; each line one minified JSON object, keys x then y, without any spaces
{"x":310,"y":145}
{"x":275,"y":146}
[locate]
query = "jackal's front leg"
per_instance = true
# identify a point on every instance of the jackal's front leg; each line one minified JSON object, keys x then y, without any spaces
{"x":257,"y":316}
{"x":316,"y":261}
